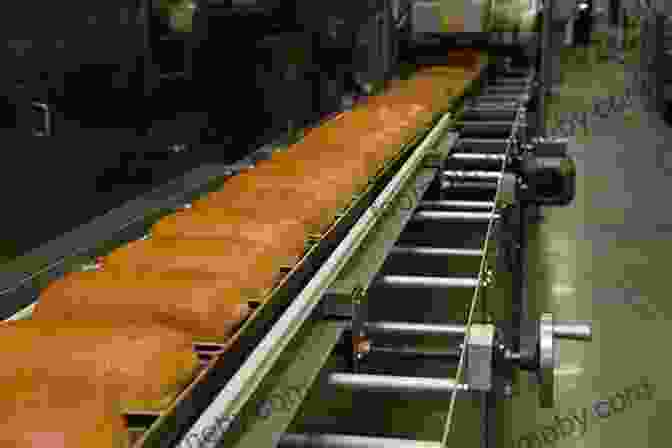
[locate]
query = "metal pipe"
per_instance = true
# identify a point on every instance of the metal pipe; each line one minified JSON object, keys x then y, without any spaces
{"x":450,"y":184}
{"x":492,"y":176}
{"x":346,"y":441}
{"x":478,"y":156}
{"x":482,"y":141}
{"x":481,"y":103}
{"x":435,"y":251}
{"x":388,"y":383}
{"x":576,"y":331}
{"x":415,"y":329}
{"x":425,"y":281}
{"x":490,"y":108}
{"x":522,"y":73}
{"x":459,"y":205}
{"x":518,"y":82}
{"x":504,"y":98}
{"x":454,"y":216}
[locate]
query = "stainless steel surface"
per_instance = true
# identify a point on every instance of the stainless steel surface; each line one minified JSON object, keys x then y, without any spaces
{"x":416,"y":329}
{"x":512,"y":82}
{"x":482,"y":103}
{"x":346,"y":441}
{"x":503,"y":98}
{"x":492,"y":107}
{"x":490,"y":145}
{"x":454,"y":216}
{"x":468,"y":185}
{"x":388,"y":383}
{"x":419,"y":281}
{"x":479,"y":358}
{"x":575,"y":331}
{"x":492,"y":176}
{"x":436,"y":251}
{"x":457,"y":205}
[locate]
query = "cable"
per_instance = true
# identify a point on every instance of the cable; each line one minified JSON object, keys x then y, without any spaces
{"x":481,"y":273}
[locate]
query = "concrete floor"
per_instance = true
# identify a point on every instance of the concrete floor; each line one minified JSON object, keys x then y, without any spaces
{"x":603,"y":258}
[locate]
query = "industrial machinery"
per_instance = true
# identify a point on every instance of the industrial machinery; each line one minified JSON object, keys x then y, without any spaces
{"x":451,"y":241}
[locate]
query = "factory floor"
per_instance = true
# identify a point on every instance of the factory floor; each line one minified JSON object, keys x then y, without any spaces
{"x":603,"y":258}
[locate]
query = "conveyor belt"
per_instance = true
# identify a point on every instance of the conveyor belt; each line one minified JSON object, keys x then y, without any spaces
{"x":236,"y":373}
{"x":374,"y":269}
{"x":215,"y":375}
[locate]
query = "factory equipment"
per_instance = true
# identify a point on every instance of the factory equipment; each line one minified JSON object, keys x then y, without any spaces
{"x":443,"y":224}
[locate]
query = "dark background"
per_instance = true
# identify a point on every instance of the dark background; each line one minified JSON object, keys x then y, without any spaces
{"x":122,"y":89}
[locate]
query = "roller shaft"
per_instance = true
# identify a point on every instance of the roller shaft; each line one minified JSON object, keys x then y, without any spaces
{"x":415,"y":329}
{"x":346,"y":441}
{"x":435,"y":251}
{"x":492,"y":176}
{"x":421,"y":281}
{"x":388,"y":383}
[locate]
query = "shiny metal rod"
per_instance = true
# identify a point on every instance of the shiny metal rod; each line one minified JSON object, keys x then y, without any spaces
{"x":457,"y":205}
{"x":497,"y":104}
{"x":345,"y":441}
{"x":388,"y":383}
{"x":505,"y":98}
{"x":476,"y":141}
{"x":435,"y":251}
{"x":492,"y":176}
{"x":425,"y":281}
{"x":438,"y":216}
{"x":511,"y":82}
{"x":479,"y":103}
{"x":415,"y":329}
{"x":477,"y":156}
{"x":468,"y":185}
{"x":575,"y":331}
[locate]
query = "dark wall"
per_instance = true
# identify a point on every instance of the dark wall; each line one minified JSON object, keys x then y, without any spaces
{"x":253,"y":72}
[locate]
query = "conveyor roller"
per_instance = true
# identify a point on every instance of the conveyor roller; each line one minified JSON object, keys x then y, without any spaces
{"x":417,"y":281}
{"x":435,"y":251}
{"x":346,"y":441}
{"x":486,"y":352}
{"x":457,"y":205}
{"x":448,"y":217}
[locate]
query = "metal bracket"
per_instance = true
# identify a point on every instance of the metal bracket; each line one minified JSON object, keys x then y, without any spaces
{"x":507,"y":191}
{"x":479,"y":357}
